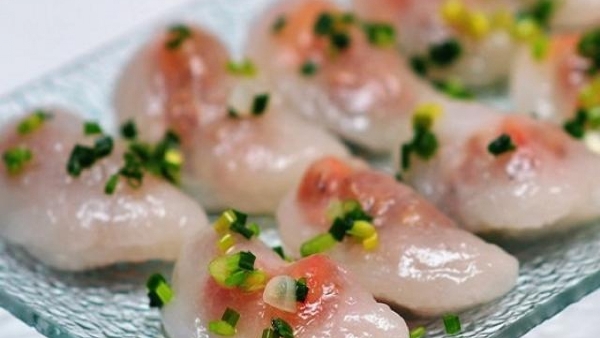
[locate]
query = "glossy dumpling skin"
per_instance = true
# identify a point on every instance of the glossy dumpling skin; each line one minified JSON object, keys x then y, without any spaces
{"x":485,"y":60}
{"x":424,"y":265}
{"x":336,"y":306}
{"x":364,"y":93}
{"x":179,"y":88}
{"x":549,"y":88}
{"x":250,"y":163}
{"x":70,"y":223}
{"x":542,"y":185}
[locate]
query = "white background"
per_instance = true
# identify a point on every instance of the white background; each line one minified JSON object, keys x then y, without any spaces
{"x":38,"y":36}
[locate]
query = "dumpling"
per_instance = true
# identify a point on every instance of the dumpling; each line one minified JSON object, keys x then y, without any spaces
{"x":70,"y":222}
{"x":333,"y":304}
{"x":400,"y":247}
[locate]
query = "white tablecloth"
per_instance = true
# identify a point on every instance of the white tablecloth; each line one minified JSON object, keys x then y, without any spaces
{"x":38,"y":36}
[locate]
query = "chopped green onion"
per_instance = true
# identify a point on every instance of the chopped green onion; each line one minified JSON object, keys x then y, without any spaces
{"x":132,"y":170}
{"x":244,"y":68}
{"x":103,"y":146}
{"x":380,"y":34}
{"x":424,"y":142}
{"x":418,"y":332}
{"x":445,"y":53}
{"x":324,"y":24}
{"x":129,"y":130}
{"x":231,"y":316}
{"x":81,"y":157}
{"x":501,"y":145}
{"x":576,"y":127}
{"x":340,"y":41}
{"x":405,"y":153}
{"x":111,"y":184}
{"x":260,"y":104}
{"x":589,"y":47}
{"x":179,"y":33}
{"x":309,"y":68}
{"x":279,"y":251}
{"x":221,"y":328}
{"x":282,"y":328}
{"x":279,"y":24}
{"x":92,"y":128}
{"x":236,"y":221}
{"x":159,"y":291}
{"x":237,"y":270}
{"x":15,"y":159}
{"x":232,"y":113}
{"x":419,"y":65}
{"x":451,"y":324}
{"x":541,"y":11}
{"x":33,"y":122}
{"x":318,"y":244}
{"x":454,"y":89}
{"x":269,"y":333}
{"x":301,"y":290}
{"x":247,"y":260}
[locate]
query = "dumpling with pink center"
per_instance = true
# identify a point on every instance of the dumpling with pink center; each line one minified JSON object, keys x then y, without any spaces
{"x":381,"y":230}
{"x":312,"y":297}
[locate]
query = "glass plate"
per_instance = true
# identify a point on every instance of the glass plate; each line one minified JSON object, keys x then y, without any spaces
{"x":112,"y":302}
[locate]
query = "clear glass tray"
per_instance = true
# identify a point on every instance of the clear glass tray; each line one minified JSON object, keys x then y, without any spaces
{"x":112,"y":302}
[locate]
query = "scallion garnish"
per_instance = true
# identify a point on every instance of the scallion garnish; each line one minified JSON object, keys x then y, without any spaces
{"x":301,"y":290}
{"x":424,"y":143}
{"x":418,"y":332}
{"x":111,"y":184}
{"x":33,"y":122}
{"x":279,"y":24}
{"x":451,"y":324}
{"x":103,"y":146}
{"x":244,"y":68}
{"x":159,"y":291}
{"x":340,"y":40}
{"x":349,"y":220}
{"x":225,"y":326}
{"x":577,"y":126}
{"x":324,"y":24}
{"x":237,"y":270}
{"x":129,"y":130}
{"x":309,"y":68}
{"x":279,"y":250}
{"x":501,"y":145}
{"x":178,"y":35}
{"x":589,"y":47}
{"x":541,"y":11}
{"x":16,"y":158}
{"x":419,"y":65}
{"x":260,"y":104}
{"x":282,"y":328}
{"x":445,"y":53}
{"x":92,"y":128}
{"x":454,"y":89}
{"x":82,"y":157}
{"x":380,"y":34}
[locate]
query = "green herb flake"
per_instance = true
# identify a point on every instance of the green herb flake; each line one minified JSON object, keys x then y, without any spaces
{"x":309,"y":68}
{"x":260,"y":104}
{"x":445,"y":53}
{"x":454,"y":89}
{"x":418,"y":332}
{"x":15,"y":159}
{"x":178,"y":35}
{"x":501,"y":145}
{"x":111,"y":184}
{"x":82,"y":157}
{"x":340,"y":41}
{"x":159,"y":291}
{"x":324,"y":24}
{"x":380,"y":34}
{"x":419,"y":65}
{"x":91,"y":128}
{"x":589,"y":47}
{"x":282,"y":328}
{"x":33,"y":122}
{"x":129,"y":130}
{"x":244,"y":68}
{"x":103,"y":147}
{"x":452,"y":324}
{"x":301,"y":290}
{"x":279,"y":24}
{"x":279,"y":251}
